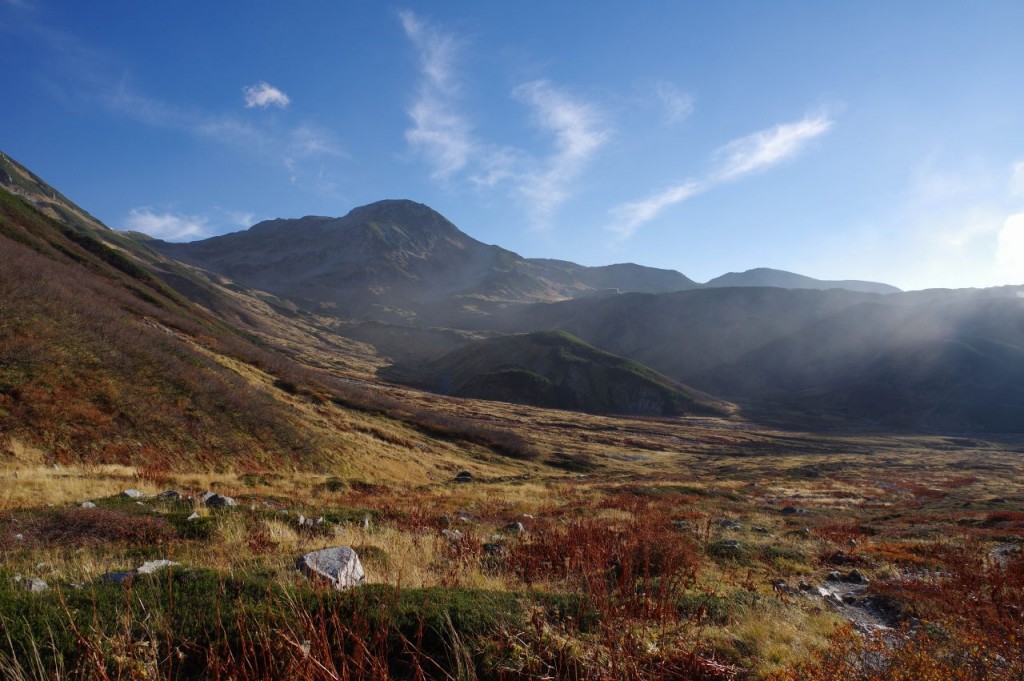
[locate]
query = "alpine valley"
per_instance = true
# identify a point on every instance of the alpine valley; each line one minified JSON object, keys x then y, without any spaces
{"x":373,"y":447}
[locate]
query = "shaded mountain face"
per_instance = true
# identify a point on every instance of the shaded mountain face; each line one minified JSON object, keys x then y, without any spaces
{"x":764,"y":276}
{"x":555,"y":369}
{"x":401,"y":261}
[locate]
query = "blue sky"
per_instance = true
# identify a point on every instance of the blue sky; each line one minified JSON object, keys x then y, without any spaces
{"x":869,"y":140}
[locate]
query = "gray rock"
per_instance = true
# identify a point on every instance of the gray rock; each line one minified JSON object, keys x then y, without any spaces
{"x":132,"y":494}
{"x":366,"y":522}
{"x":214,"y":500}
{"x":494,"y":549}
{"x":835,"y":576}
{"x":731,"y":543}
{"x":151,"y":566}
{"x":452,"y":535}
{"x":169,"y":495}
{"x":514,"y":528}
{"x":856,"y":577}
{"x":340,"y":567}
{"x":194,"y":516}
{"x":790,"y":510}
{"x":727,"y":524}
{"x":760,"y":530}
{"x":464,"y":476}
{"x":35,"y":585}
{"x":88,"y":504}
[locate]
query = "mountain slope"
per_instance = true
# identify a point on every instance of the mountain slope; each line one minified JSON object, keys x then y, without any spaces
{"x":764,"y":276}
{"x":555,"y":369}
{"x":399,"y":261}
{"x":100,"y":364}
{"x":929,"y":359}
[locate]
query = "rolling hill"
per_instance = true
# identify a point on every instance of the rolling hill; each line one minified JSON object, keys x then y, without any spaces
{"x":555,"y":369}
{"x":764,"y":276}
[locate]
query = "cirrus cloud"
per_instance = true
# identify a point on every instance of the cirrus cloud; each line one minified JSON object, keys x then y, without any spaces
{"x":743,"y":156}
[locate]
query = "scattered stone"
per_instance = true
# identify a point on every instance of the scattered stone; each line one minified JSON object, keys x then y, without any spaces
{"x":790,"y":510}
{"x":727,"y":524}
{"x":464,"y":476}
{"x":139,"y":503}
{"x":35,"y":585}
{"x":997,"y":500}
{"x":452,"y":535}
{"x":494,"y":549}
{"x":681,"y":525}
{"x":835,"y":576}
{"x":514,"y":528}
{"x":88,"y":504}
{"x":340,"y":567}
{"x":760,"y":530}
{"x":132,"y":494}
{"x":804,"y":586}
{"x":526,"y":516}
{"x":19,"y":537}
{"x":464,"y":517}
{"x":852,"y":543}
{"x":169,"y":495}
{"x":366,"y":522}
{"x":731,"y":543}
{"x":194,"y":516}
{"x":856,"y":577}
{"x":214,"y":500}
{"x":151,"y":566}
{"x":806,"y":532}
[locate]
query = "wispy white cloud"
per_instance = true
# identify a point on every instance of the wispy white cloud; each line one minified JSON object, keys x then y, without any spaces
{"x":440,"y":133}
{"x":628,"y":217}
{"x":676,"y":104}
{"x":766,"y":148}
{"x":240,"y":218}
{"x":167,"y":226}
{"x":741,"y":157}
{"x":263,"y":94}
{"x":579,"y":132}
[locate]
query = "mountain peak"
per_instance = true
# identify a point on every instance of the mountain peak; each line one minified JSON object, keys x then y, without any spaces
{"x":400,"y":211}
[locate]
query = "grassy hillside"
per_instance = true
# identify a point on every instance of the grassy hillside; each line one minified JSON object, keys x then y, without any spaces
{"x":555,"y":369}
{"x":100,"y":362}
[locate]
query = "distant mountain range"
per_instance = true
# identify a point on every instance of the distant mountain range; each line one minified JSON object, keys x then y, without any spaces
{"x":396,"y":283}
{"x":399,"y":261}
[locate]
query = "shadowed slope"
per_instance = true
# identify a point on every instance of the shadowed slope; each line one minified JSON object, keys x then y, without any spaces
{"x":554,"y":369}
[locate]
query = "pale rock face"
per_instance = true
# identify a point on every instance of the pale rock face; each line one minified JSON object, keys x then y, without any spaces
{"x":339,"y":566}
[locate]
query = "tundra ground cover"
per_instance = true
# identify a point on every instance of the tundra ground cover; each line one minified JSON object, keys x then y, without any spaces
{"x":721,"y":571}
